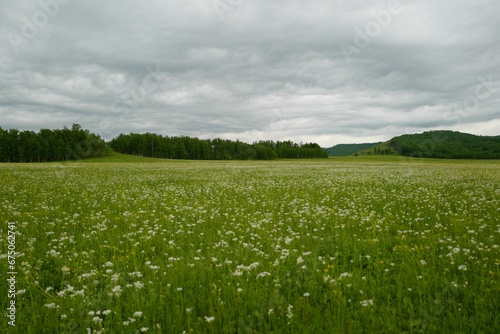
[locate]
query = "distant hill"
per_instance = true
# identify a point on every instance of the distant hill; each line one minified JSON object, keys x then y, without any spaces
{"x":447,"y":145}
{"x":348,"y":149}
{"x":442,"y":144}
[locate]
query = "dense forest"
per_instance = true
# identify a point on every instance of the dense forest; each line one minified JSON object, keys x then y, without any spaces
{"x":50,"y":145}
{"x":158,"y":146}
{"x":348,"y":149}
{"x":447,"y":145}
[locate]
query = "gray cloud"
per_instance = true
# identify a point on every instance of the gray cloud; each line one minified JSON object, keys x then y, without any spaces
{"x":269,"y":70}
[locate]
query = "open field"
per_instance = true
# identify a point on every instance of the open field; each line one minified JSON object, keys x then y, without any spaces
{"x":342,"y":245}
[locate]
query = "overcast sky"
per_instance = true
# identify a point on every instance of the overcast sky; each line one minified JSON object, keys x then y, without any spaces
{"x":307,"y":70}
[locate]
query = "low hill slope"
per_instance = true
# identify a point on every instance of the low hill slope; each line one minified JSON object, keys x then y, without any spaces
{"x":380,"y":149}
{"x":347,"y":149}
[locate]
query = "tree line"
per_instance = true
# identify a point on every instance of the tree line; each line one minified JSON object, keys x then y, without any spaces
{"x":50,"y":145}
{"x":447,"y":145}
{"x":183,"y":147}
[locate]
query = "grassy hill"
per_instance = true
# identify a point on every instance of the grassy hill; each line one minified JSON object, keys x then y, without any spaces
{"x":121,"y":158}
{"x":347,"y":149}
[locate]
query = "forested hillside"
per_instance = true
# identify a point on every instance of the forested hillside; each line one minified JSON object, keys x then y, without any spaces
{"x":158,"y":146}
{"x":447,"y":145}
{"x":348,"y":149}
{"x":50,"y":145}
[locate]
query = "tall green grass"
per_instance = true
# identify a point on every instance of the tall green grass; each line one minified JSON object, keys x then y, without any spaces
{"x":337,"y":246}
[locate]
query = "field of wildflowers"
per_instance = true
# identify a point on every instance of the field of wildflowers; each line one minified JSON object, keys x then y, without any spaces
{"x":331,"y":246}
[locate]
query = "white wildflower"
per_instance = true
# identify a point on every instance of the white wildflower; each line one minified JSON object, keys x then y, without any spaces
{"x":346,"y":274}
{"x":117,"y":291}
{"x":138,"y":285}
{"x":263,"y":274}
{"x":366,"y":303}
{"x":78,"y":293}
{"x":51,"y":305}
{"x":53,"y":253}
{"x":237,"y":272}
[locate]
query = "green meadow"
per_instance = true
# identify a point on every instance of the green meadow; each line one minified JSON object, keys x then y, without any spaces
{"x":124,"y":244}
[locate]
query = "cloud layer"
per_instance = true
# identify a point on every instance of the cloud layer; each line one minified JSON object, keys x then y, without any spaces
{"x":324,"y":71}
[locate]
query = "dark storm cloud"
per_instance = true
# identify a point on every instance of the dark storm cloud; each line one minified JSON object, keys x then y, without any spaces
{"x":324,"y":71}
